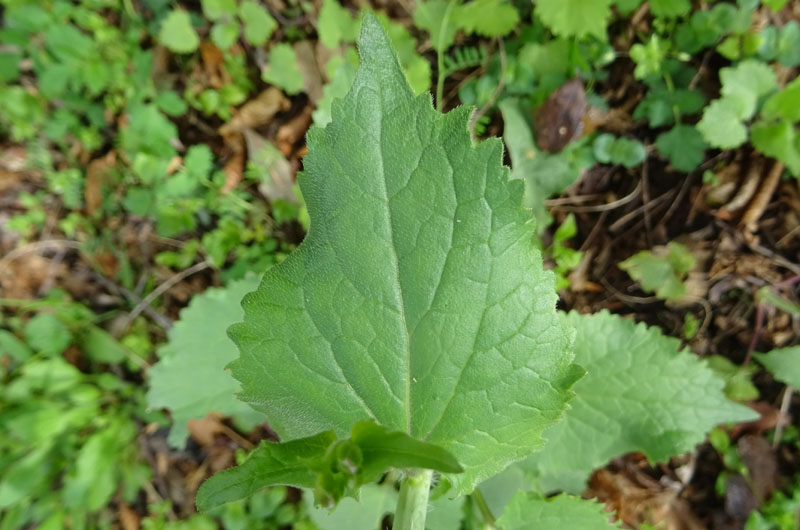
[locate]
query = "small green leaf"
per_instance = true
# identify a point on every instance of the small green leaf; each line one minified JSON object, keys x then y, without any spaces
{"x":383,"y":450}
{"x":738,"y":379}
{"x":336,"y":24}
{"x":748,"y":81}
{"x":436,"y":17}
{"x":649,"y":57}
{"x":785,"y":104}
{"x":684,"y":146}
{"x":625,"y":151}
{"x":576,"y":18}
{"x":282,"y":69}
{"x":177,"y":32}
{"x":722,"y":125}
{"x":100,"y":346}
{"x":217,"y":9}
{"x":336,"y":468}
{"x":258,"y":23}
{"x":635,"y":397}
{"x":788,"y":53}
{"x":779,"y":140}
{"x":557,"y":513}
{"x":783,"y":364}
{"x":285,"y":463}
{"x":224,"y":34}
{"x":670,"y":8}
{"x":660,"y":270}
{"x":490,"y":18}
{"x":96,"y":473}
{"x":13,"y":347}
{"x":45,"y":333}
{"x":171,"y":103}
{"x":775,"y":5}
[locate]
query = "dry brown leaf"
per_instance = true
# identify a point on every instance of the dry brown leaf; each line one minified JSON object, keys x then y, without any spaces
{"x":759,"y":203}
{"x":261,"y":153}
{"x":745,"y":193}
{"x":759,"y":458}
{"x":234,"y":171}
{"x":108,"y":263}
{"x":638,"y":499}
{"x":96,"y":175}
{"x":128,"y":519}
{"x":309,"y":69}
{"x":205,"y":430}
{"x":13,"y":158}
{"x":560,"y":118}
{"x":292,"y":131}
{"x":257,"y":111}
{"x":10,"y":180}
{"x":23,"y":278}
{"x":213,"y":65}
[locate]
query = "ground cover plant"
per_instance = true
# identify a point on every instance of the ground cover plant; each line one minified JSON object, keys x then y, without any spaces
{"x":590,"y":323}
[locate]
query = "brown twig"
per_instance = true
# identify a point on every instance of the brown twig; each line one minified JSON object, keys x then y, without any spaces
{"x":785,"y":403}
{"x":601,"y":207}
{"x":759,"y":203}
{"x":161,"y":289}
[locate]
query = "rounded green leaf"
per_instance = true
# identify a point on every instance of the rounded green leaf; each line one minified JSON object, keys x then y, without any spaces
{"x":258,"y":23}
{"x":177,"y":32}
{"x":684,"y":146}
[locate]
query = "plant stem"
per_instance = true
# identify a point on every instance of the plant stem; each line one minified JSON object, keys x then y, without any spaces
{"x":483,"y":507}
{"x":413,"y":504}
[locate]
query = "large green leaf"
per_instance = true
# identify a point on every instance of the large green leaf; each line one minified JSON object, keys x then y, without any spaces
{"x":641,"y":393}
{"x":418,"y":298}
{"x":190,"y":379}
{"x":554,"y":514}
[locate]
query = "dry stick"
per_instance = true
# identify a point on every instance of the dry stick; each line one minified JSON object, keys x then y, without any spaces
{"x":785,"y":402}
{"x":645,"y":201}
{"x":36,"y":247}
{"x":162,"y":320}
{"x":601,"y":207}
{"x":622,"y":221}
{"x":678,"y":199}
{"x":566,"y":201}
{"x":161,"y":289}
{"x":759,"y":203}
{"x":627,"y":298}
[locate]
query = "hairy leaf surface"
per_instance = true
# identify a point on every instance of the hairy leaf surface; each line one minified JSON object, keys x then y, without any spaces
{"x":418,"y":298}
{"x":641,"y":393}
